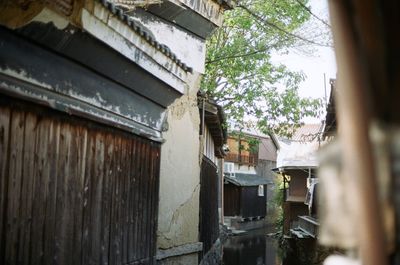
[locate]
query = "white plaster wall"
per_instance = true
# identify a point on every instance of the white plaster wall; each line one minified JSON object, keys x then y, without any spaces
{"x":180,"y":173}
{"x":116,"y":34}
{"x":190,"y":49}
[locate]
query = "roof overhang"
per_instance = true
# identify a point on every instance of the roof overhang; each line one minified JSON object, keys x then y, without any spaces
{"x":247,"y":180}
{"x":287,"y":168}
{"x":214,"y":118}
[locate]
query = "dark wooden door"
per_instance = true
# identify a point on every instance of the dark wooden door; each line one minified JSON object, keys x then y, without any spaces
{"x":209,"y":224}
{"x":232,"y":201}
{"x":73,"y":191}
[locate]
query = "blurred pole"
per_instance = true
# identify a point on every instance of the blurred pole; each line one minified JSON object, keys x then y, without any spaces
{"x":353,"y":121}
{"x":326,"y":97}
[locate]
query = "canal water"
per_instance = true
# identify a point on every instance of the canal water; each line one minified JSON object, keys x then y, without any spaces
{"x":252,"y":248}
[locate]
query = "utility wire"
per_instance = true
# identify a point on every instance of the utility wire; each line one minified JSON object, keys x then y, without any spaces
{"x":240,"y":55}
{"x":312,"y":14}
{"x":270,"y":24}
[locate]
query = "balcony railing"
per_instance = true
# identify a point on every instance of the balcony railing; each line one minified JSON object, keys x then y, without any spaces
{"x":242,"y":159}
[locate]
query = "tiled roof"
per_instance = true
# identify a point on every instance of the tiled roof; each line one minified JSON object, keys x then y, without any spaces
{"x":121,"y":14}
{"x":307,"y":133}
{"x":242,"y":179}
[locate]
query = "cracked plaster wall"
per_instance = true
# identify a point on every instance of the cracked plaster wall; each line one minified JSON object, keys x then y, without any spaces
{"x":180,"y":172}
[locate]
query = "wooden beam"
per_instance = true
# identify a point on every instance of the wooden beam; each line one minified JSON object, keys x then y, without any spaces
{"x":354,"y":123}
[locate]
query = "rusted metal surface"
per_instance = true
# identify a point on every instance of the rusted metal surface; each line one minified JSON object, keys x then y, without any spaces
{"x":209,"y":224}
{"x":74,"y":192}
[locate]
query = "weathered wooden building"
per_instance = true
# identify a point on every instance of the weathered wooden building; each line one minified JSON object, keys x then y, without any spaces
{"x":251,"y":155}
{"x":245,"y":200}
{"x":296,"y":210}
{"x":84,"y":92}
{"x":214,"y":136}
{"x":297,"y":165}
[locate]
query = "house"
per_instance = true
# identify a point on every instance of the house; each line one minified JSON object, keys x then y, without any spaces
{"x":248,"y":178}
{"x":245,"y":200}
{"x":96,"y":117}
{"x":214,"y":136}
{"x":297,"y":165}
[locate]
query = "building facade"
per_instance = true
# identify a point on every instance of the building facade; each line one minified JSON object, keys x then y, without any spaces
{"x":97,"y":115}
{"x":248,"y":177}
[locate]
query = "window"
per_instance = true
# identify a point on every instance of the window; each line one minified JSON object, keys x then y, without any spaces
{"x":260,"y":190}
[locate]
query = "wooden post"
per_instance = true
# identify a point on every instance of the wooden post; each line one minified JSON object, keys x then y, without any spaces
{"x":354,"y":122}
{"x":284,"y":201}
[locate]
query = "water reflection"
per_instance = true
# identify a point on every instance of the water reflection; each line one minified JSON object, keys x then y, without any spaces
{"x":252,"y":248}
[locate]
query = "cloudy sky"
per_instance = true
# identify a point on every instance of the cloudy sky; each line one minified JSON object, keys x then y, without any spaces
{"x":314,"y":65}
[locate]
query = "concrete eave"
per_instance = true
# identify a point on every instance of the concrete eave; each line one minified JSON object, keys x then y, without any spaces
{"x":112,"y":31}
{"x":208,"y":9}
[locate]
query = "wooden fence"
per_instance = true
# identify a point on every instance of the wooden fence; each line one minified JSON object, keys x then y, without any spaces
{"x":73,"y":191}
{"x":209,"y":220}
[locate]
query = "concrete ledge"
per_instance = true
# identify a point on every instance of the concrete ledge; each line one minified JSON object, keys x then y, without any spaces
{"x":246,"y":224}
{"x":179,"y":250}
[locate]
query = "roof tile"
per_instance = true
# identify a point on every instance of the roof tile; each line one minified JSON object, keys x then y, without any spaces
{"x":137,"y":28}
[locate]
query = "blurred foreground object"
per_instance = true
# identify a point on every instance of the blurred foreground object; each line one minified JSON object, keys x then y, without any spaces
{"x":360,"y":174}
{"x":339,"y":260}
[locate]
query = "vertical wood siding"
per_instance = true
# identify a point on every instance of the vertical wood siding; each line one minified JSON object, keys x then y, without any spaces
{"x":209,"y":224}
{"x":74,"y":192}
{"x":244,"y":201}
{"x":231,"y":200}
{"x":253,"y":205}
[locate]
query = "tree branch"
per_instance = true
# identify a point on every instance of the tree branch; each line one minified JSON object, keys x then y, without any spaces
{"x":312,"y":14}
{"x":270,"y":24}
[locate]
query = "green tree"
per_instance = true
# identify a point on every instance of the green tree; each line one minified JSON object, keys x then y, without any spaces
{"x":240,"y":74}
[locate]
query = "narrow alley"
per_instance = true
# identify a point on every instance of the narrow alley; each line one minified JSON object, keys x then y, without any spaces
{"x":199,"y":132}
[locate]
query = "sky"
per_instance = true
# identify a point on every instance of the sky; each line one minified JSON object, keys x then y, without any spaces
{"x":315,"y":65}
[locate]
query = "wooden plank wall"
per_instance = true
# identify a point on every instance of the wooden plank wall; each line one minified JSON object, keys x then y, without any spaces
{"x":253,"y":205}
{"x":73,"y":191}
{"x":209,"y":219}
{"x":232,"y":202}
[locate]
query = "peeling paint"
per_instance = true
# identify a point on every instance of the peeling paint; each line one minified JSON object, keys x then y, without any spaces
{"x":189,"y":48}
{"x":24,"y":76}
{"x":206,"y":8}
{"x":128,"y":45}
{"x":75,"y":109}
{"x":65,"y":98}
{"x":98,"y":101}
